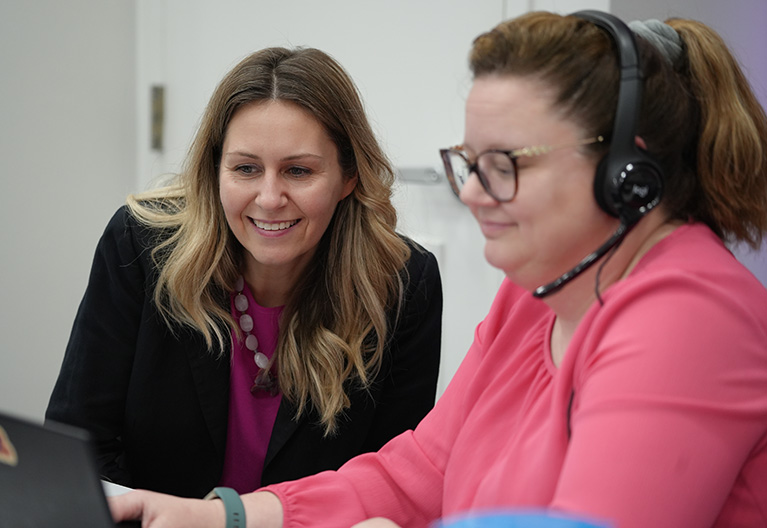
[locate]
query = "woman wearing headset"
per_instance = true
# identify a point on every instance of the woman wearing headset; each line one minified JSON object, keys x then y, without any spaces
{"x":631,"y":391}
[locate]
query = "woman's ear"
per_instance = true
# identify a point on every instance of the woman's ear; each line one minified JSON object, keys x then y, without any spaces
{"x":349,"y":186}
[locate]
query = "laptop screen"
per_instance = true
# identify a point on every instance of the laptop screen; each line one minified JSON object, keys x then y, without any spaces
{"x":48,"y":477}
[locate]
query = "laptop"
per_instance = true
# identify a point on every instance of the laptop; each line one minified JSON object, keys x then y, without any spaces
{"x":49,"y":477}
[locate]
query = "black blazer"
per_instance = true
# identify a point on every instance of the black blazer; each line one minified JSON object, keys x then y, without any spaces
{"x":156,"y":401}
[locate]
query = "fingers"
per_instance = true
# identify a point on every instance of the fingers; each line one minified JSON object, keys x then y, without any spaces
{"x":157,"y":510}
{"x":129,"y":506}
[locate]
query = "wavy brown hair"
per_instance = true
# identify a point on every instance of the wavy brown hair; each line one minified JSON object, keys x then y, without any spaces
{"x":699,"y":119}
{"x":334,"y":327}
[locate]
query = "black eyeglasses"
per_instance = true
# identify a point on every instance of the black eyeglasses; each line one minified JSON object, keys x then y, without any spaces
{"x":496,"y":169}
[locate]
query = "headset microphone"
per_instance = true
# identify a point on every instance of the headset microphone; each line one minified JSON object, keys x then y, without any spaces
{"x":586,"y":263}
{"x":628,"y":182}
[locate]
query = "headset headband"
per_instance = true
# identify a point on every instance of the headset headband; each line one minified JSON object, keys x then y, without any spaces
{"x":630,"y":88}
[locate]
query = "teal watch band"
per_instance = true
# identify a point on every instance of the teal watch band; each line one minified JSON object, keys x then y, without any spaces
{"x":235,"y":511}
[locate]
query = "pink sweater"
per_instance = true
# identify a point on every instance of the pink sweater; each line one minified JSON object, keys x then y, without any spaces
{"x":668,"y":419}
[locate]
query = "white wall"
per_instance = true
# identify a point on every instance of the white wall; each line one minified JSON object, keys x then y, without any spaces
{"x":67,"y":142}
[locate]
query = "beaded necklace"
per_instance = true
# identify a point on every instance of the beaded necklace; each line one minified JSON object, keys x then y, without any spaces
{"x":264,"y":381}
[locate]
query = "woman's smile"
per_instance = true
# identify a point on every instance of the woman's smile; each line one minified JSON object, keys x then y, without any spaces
{"x":273,"y":227}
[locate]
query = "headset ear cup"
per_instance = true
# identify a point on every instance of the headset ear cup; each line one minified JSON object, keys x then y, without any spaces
{"x":628,"y":190}
{"x":640,"y":189}
{"x":602,"y":194}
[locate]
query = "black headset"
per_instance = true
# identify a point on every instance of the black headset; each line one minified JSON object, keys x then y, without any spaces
{"x":628,"y":182}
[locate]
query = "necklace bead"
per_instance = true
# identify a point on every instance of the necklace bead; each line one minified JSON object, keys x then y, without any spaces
{"x":241,"y":302}
{"x":261,"y":360}
{"x":246,"y":323}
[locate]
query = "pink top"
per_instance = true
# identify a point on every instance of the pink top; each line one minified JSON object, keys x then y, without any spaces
{"x":251,"y":416}
{"x":668,"y":419}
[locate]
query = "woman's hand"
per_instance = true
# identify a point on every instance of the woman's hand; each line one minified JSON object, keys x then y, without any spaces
{"x":376,"y":522}
{"x":157,"y":510}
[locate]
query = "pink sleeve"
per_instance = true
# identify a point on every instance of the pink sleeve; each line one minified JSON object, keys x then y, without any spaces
{"x":403,"y":481}
{"x":667,"y":406}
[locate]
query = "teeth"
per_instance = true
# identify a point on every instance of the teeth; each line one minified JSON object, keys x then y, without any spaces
{"x":277,"y":226}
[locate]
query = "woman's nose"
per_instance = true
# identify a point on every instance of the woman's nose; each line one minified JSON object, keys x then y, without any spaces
{"x":473,"y":192}
{"x":271,"y":192}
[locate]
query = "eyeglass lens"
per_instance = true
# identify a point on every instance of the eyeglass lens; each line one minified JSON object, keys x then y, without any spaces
{"x":496,"y":170}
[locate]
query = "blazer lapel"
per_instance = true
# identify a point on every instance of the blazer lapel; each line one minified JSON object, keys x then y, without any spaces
{"x":285,"y":425}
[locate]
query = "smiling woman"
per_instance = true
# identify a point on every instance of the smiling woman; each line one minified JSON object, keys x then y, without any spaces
{"x":259,"y":319}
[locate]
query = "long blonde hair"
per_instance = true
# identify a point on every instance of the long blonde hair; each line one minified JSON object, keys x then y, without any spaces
{"x":334,"y":328}
{"x":699,"y":119}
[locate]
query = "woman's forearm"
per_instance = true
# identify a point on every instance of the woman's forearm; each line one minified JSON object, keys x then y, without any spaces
{"x":262,"y":510}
